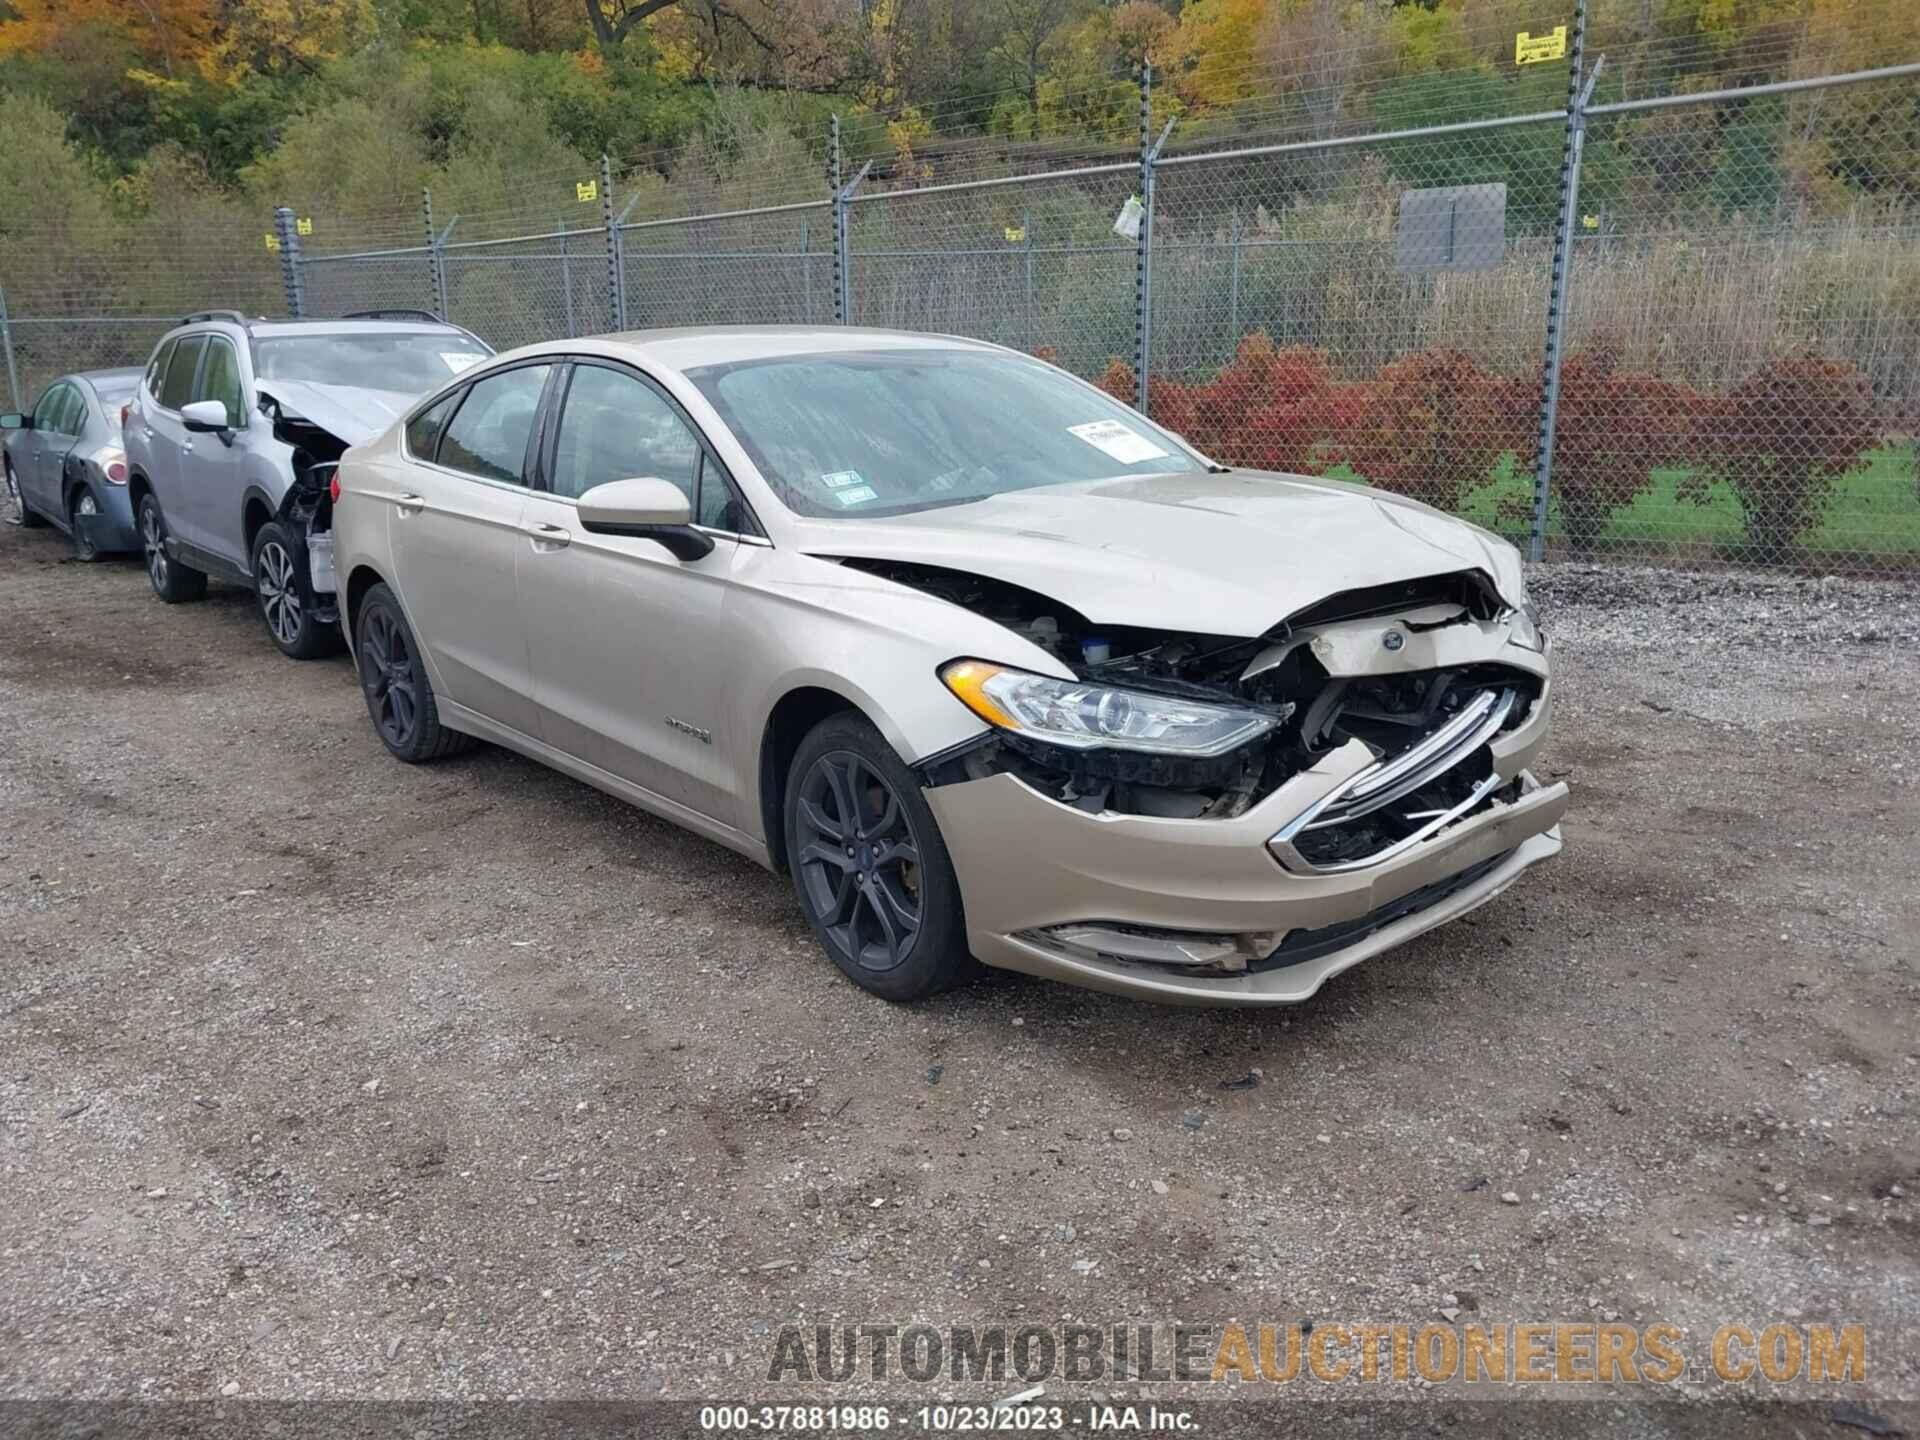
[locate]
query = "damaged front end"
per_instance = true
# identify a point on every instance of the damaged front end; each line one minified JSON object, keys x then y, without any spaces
{"x":1424,"y":675}
{"x":307,"y":507}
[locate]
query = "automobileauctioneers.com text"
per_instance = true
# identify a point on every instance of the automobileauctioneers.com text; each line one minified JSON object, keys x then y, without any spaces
{"x":1327,"y":1353}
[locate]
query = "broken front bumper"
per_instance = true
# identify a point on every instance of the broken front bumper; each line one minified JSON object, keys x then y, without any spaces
{"x":1042,"y":881}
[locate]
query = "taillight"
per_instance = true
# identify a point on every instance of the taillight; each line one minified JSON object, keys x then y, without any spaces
{"x":117,"y":472}
{"x":126,"y":410}
{"x":333,"y":489}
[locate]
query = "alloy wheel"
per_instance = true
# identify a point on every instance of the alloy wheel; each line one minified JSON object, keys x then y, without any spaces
{"x":153,"y":539}
{"x":279,"y":593}
{"x":386,"y":670}
{"x":859,"y":861}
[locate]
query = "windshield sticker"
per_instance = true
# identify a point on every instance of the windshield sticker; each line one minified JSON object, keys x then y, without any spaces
{"x":458,"y":360}
{"x":1126,"y":445}
{"x":841,"y":479}
{"x":858,"y":495}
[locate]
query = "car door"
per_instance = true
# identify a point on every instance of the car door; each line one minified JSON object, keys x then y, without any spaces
{"x":40,"y":481}
{"x":213,"y":470}
{"x":629,"y":659}
{"x":170,"y":444}
{"x":455,"y":534}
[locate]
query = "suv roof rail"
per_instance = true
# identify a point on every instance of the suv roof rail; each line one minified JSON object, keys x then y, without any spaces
{"x":234,"y":315}
{"x":400,"y":314}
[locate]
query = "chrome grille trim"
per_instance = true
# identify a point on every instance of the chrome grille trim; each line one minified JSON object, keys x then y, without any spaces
{"x":1392,"y":779}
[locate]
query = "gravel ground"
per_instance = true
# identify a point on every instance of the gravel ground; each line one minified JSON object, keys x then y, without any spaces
{"x":321,"y":1076}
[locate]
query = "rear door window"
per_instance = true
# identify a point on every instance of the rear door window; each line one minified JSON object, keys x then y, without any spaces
{"x":176,"y":389}
{"x":157,"y":367}
{"x":488,"y":434}
{"x":423,"y":431}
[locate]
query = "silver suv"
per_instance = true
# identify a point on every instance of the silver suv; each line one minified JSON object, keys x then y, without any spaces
{"x":233,"y":437}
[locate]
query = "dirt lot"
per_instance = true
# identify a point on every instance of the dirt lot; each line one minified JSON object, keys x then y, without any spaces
{"x":325,"y":1077}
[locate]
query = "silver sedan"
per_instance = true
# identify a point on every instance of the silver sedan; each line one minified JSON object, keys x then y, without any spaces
{"x":65,"y":461}
{"x":994,"y":667}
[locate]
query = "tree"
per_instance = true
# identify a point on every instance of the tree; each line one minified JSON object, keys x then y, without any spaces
{"x":614,"y":20}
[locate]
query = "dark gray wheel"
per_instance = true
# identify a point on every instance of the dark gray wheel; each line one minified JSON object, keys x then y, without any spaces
{"x":399,"y":695}
{"x":172,"y":581}
{"x":84,"y":509}
{"x":18,"y":511}
{"x":869,"y":865}
{"x":287,"y":603}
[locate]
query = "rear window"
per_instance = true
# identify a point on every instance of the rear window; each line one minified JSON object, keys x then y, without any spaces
{"x":176,"y":389}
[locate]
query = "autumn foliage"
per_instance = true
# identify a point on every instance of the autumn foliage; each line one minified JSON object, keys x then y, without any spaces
{"x":1435,"y":424}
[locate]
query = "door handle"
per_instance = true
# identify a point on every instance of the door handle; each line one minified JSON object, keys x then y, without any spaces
{"x":148,"y":432}
{"x":187,"y":448}
{"x":548,"y":538}
{"x":412,"y":504}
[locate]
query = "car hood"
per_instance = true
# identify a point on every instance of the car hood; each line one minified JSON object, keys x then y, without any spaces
{"x":346,"y":412}
{"x":1223,"y":554}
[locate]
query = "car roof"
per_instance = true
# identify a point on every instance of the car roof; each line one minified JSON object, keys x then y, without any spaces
{"x":124,"y":378}
{"x":690,"y":347}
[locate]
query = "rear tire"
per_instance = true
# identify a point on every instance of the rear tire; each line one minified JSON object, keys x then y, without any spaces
{"x":869,"y":864}
{"x":83,"y":503}
{"x":19,"y":512}
{"x":287,"y":604}
{"x":393,"y":679}
{"x":172,"y":582}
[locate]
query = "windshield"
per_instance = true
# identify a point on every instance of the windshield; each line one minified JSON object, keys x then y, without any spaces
{"x":889,"y":432}
{"x":409,"y":364}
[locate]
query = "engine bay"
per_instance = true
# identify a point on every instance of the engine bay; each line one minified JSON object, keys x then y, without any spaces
{"x":1280,"y":673}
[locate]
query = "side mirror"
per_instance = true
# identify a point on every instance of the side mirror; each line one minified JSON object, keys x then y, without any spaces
{"x":16,"y":422}
{"x":205,"y":417}
{"x":646,"y":509}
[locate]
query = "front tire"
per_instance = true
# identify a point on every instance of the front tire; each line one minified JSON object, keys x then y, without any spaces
{"x":869,"y":864}
{"x":84,"y":506}
{"x":287,"y":603}
{"x":393,"y":678}
{"x":172,"y":582}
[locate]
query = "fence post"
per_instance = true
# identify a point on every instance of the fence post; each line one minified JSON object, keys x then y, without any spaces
{"x":1233,"y":286}
{"x":1579,"y":92}
{"x":288,"y":235}
{"x":616,"y":266}
{"x":6,"y":343}
{"x":1143,"y":246}
{"x":840,"y":288}
{"x":436,"y":259}
{"x":566,"y":273}
{"x":1026,"y":240}
{"x":806,"y":271}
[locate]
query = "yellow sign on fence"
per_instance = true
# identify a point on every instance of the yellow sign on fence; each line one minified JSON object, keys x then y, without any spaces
{"x":304,"y":225}
{"x":1531,"y":49}
{"x":273,"y":240}
{"x":585,"y":190}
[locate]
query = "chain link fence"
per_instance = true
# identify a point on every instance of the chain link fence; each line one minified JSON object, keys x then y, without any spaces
{"x":1676,"y":327}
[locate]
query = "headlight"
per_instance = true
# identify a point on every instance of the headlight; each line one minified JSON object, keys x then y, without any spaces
{"x":1526,"y":627}
{"x":1084,"y":716}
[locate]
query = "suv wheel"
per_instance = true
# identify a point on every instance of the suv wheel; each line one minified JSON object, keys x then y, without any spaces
{"x":286,"y":599}
{"x":869,"y":865}
{"x":172,"y":581}
{"x":394,"y":680}
{"x":85,"y":508}
{"x":18,"y":511}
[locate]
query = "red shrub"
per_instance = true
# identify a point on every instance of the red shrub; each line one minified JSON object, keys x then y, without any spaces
{"x":1780,"y":437}
{"x":1614,"y":429}
{"x":1434,"y":425}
